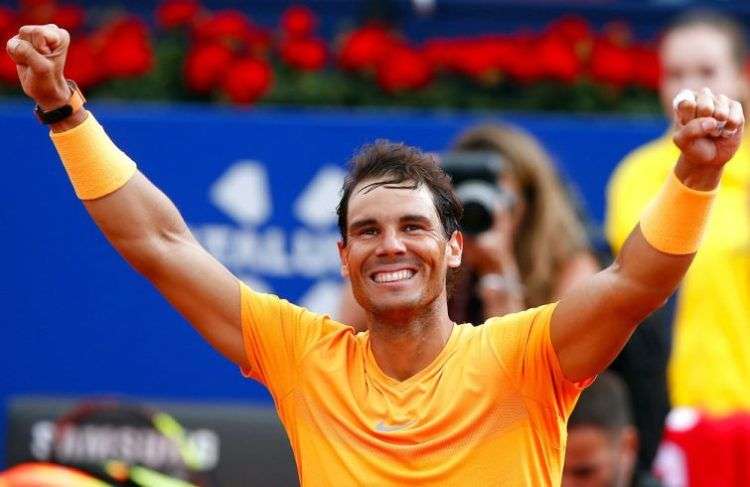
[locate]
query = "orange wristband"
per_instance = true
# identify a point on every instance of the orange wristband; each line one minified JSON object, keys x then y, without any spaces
{"x":676,"y":219}
{"x":95,"y":166}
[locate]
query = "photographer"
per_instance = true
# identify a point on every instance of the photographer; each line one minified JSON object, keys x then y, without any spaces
{"x":536,"y":248}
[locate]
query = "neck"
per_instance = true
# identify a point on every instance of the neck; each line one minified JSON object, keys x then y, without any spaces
{"x":405,"y":344}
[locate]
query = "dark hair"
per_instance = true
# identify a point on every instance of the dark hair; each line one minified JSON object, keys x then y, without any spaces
{"x":718,"y":21}
{"x":394,"y":164}
{"x":604,"y":404}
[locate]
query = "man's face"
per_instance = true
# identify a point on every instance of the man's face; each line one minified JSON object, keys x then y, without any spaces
{"x":396,"y":254}
{"x":699,"y":56}
{"x":597,"y":458}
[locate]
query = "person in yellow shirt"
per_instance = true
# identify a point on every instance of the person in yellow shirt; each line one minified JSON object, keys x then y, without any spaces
{"x":709,"y":366}
{"x":416,"y":399}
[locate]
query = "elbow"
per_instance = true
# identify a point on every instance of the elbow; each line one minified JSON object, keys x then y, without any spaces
{"x":148,"y":254}
{"x":636,"y":300}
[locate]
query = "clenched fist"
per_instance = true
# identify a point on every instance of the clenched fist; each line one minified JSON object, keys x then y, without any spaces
{"x":39,"y":52}
{"x":709,"y":127}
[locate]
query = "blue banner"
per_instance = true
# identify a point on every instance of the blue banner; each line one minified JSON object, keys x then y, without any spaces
{"x":258,"y":189}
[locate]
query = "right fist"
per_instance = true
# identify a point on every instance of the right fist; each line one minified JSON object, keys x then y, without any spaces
{"x":39,"y":53}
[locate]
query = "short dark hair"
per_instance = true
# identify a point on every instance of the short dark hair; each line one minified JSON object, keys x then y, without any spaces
{"x":718,"y":21}
{"x":604,"y":404}
{"x":397,"y":163}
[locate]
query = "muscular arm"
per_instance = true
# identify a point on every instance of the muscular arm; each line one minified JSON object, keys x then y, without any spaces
{"x":594,"y":321}
{"x":144,"y":226}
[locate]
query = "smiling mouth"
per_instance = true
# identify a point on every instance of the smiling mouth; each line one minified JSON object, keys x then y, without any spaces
{"x":386,"y":277}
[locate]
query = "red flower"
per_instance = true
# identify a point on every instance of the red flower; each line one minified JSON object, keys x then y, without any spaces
{"x":612,"y":64}
{"x":304,"y":54}
{"x":298,"y":21}
{"x":647,"y":67}
{"x":248,"y":80}
{"x":81,"y":64}
{"x":484,"y":59}
{"x":125,"y":48}
{"x":363,"y":49}
{"x":205,"y":65}
{"x":69,"y":17}
{"x":558,"y":59}
{"x":404,"y":69}
{"x":176,"y":13}
{"x":522,"y":63}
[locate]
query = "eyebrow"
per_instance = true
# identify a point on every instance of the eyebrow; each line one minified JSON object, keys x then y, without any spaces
{"x":371,"y":221}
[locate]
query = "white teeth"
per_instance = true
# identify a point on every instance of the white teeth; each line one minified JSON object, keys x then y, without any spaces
{"x":393,"y":276}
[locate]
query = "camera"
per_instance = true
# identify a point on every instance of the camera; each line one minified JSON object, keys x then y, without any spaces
{"x":474,"y":175}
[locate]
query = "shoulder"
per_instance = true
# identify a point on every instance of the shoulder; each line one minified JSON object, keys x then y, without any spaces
{"x":515,"y":329}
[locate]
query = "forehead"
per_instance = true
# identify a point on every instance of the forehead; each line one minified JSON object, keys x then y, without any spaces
{"x":382,"y":202}
{"x":697,"y":44}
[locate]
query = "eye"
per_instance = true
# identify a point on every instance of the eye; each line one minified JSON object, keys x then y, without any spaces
{"x":367,"y":231}
{"x":411,"y":227}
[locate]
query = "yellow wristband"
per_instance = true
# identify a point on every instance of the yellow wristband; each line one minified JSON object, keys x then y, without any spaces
{"x":676,"y":219}
{"x":95,"y":166}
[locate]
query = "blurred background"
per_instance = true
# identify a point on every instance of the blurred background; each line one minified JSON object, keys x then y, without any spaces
{"x":245,"y":113}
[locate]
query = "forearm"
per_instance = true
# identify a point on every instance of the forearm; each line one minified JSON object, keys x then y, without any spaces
{"x":659,"y":251}
{"x":140,"y":222}
{"x":137,"y":218}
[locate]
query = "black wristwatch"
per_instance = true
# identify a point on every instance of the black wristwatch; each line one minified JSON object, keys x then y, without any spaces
{"x":75,"y":103}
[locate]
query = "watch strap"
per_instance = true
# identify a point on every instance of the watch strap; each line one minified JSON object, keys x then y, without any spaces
{"x":75,"y":103}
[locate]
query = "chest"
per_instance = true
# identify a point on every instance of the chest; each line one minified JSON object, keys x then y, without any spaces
{"x":465,"y":394}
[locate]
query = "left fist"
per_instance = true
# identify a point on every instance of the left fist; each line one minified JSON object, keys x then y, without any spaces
{"x":709,"y":127}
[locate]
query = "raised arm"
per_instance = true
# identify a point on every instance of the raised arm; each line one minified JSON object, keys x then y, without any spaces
{"x":138,"y":219}
{"x":593,"y":322}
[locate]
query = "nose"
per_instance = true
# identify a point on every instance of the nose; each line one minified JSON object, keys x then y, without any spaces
{"x":390,"y":244}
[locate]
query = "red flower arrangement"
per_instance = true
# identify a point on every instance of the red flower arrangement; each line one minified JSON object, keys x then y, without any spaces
{"x":230,"y":56}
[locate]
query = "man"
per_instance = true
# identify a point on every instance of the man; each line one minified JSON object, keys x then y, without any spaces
{"x":416,"y":399}
{"x":710,"y":356}
{"x":602,"y":441}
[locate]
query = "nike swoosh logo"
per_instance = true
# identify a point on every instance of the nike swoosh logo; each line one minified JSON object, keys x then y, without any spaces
{"x":387,"y":428}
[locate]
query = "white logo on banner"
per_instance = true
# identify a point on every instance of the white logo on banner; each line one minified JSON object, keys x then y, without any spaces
{"x":253,"y":254}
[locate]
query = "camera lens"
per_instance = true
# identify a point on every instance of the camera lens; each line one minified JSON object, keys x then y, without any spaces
{"x":479,"y":199}
{"x":477,"y":218}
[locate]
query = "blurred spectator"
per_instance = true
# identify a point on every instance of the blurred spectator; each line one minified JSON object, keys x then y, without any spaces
{"x":602,"y":441}
{"x":534,"y":251}
{"x":710,"y":358}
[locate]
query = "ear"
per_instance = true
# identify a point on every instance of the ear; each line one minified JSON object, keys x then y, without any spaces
{"x":629,"y":444}
{"x":454,"y":250}
{"x":344,"y":256}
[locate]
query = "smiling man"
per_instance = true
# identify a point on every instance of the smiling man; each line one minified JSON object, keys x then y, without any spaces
{"x":417,"y":399}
